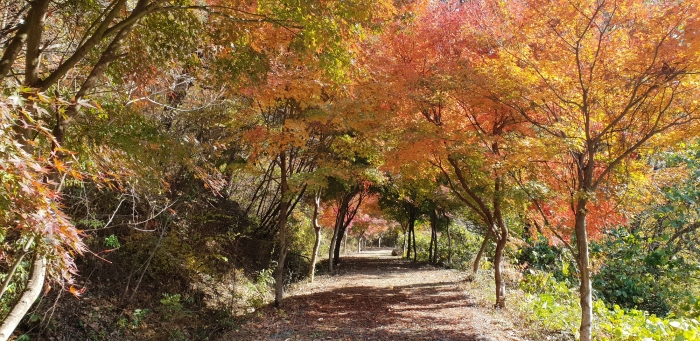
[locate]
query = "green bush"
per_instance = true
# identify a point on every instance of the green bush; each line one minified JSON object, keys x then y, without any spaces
{"x":171,"y":306}
{"x":540,"y":255}
{"x":555,"y":306}
{"x":626,"y":325}
{"x":641,"y":273}
{"x":552,"y":303}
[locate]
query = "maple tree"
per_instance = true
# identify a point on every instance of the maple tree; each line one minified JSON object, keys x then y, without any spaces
{"x":600,"y":81}
{"x":468,"y":138}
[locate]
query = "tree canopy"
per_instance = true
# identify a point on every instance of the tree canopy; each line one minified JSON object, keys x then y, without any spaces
{"x":207,"y":123}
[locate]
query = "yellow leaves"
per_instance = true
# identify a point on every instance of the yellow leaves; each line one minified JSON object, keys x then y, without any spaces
{"x":59,"y":165}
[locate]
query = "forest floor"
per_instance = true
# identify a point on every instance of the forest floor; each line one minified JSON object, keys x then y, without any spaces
{"x":375,"y":296}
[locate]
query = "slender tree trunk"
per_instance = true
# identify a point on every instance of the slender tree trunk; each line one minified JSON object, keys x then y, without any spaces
{"x":345,"y":242}
{"x":584,"y":270}
{"x":29,"y":296}
{"x":403,"y":245}
{"x":501,"y":236}
{"x":408,"y":252}
{"x":317,"y":235}
{"x":430,"y":248}
{"x":435,"y":247}
{"x":477,"y":259}
{"x":284,"y":205}
{"x":35,"y":17}
{"x":432,"y":237}
{"x":334,"y":252}
{"x":449,"y":245}
{"x":498,"y":269}
{"x":413,"y":234}
{"x":338,"y":245}
{"x":331,"y":248}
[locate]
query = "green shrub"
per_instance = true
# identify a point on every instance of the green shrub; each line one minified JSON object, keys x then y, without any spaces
{"x":641,"y":273}
{"x":626,"y":325}
{"x":541,"y":255}
{"x":171,"y":306}
{"x":551,"y":303}
{"x":555,"y":306}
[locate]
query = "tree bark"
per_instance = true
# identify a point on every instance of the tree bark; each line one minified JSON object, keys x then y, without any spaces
{"x":345,"y":242}
{"x":331,"y":249}
{"x":339,"y":232}
{"x":33,"y":48}
{"x":435,"y":247}
{"x":413,"y":234}
{"x":584,"y":270}
{"x":34,"y":16}
{"x":346,"y":214}
{"x":279,"y":276}
{"x":477,"y":259}
{"x":433,"y":223}
{"x":409,"y":231}
{"x":317,"y":235}
{"x":498,"y":269}
{"x":501,"y":236}
{"x":449,"y":245}
{"x":338,"y":245}
{"x":29,"y":296}
{"x":403,"y":245}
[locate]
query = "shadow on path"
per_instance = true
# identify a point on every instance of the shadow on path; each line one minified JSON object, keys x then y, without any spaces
{"x":375,"y":297}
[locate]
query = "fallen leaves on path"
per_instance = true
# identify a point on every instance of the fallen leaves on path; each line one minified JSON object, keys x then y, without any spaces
{"x":377,"y":297}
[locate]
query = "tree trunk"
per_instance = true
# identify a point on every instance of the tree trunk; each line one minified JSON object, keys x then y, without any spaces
{"x":317,"y":235}
{"x":408,"y":251}
{"x":29,"y":296}
{"x":345,"y":242}
{"x":413,"y":234}
{"x":334,"y":252}
{"x":477,"y":259}
{"x":338,"y":245}
{"x":331,"y":248}
{"x":498,"y":269}
{"x":501,"y":236}
{"x":284,"y":205}
{"x":432,"y":258}
{"x":34,"y":17}
{"x":430,"y":245}
{"x":403,"y":245}
{"x":435,"y":247}
{"x":449,"y":245}
{"x":584,"y":270}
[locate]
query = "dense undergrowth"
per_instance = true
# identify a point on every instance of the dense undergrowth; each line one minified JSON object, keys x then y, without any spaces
{"x":553,"y":306}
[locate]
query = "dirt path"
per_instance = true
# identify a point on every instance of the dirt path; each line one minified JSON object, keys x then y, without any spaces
{"x":377,"y":297}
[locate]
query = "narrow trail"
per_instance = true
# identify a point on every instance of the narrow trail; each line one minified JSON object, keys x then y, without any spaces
{"x":376,"y":296}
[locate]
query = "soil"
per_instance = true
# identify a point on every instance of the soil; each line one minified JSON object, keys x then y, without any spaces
{"x":376,"y":296}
